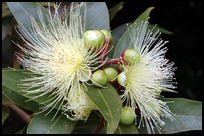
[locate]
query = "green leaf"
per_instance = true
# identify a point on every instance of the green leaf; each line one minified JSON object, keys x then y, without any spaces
{"x":23,"y":10}
{"x":126,"y":129}
{"x":22,"y":131}
{"x":117,"y":33}
{"x":20,"y":100}
{"x":126,"y":40}
{"x":5,"y":113}
{"x":188,"y":115}
{"x":108,"y":103}
{"x":120,"y":30}
{"x":5,"y":99}
{"x":46,"y":4}
{"x":41,"y":124}
{"x":97,"y":16}
{"x":161,"y":29}
{"x":114,"y":10}
{"x":89,"y":126}
{"x":11,"y":79}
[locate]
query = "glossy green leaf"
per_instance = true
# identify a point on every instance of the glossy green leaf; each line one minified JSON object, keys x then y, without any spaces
{"x":188,"y":115}
{"x":120,"y":30}
{"x":97,"y":16}
{"x":126,"y":129}
{"x":126,"y":39}
{"x":114,"y":10}
{"x":117,"y":33}
{"x":22,"y":131}
{"x":161,"y":29}
{"x":5,"y":113}
{"x":20,"y":100}
{"x":41,"y":124}
{"x":89,"y":126}
{"x":22,"y":11}
{"x":46,"y":3}
{"x":108,"y":103}
{"x":5,"y":99}
{"x":11,"y":79}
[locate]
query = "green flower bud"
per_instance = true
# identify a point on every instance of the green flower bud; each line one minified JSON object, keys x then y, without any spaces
{"x":122,"y":79}
{"x":94,"y":39}
{"x":99,"y":78}
{"x":127,"y":115}
{"x":107,"y":34}
{"x":111,"y":74}
{"x":130,"y":56}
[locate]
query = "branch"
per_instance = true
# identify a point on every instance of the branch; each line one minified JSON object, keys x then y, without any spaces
{"x":98,"y":128}
{"x":25,"y":116}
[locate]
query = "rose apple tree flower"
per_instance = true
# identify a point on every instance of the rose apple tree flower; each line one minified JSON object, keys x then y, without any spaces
{"x":65,"y":60}
{"x":145,"y":74}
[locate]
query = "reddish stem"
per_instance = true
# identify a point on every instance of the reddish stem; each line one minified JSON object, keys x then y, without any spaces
{"x":25,"y":116}
{"x":104,"y":51}
{"x":116,"y":61}
{"x":98,"y":128}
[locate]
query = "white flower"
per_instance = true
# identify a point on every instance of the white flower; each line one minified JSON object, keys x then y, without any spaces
{"x":79,"y":104}
{"x":144,"y":79}
{"x":57,"y":52}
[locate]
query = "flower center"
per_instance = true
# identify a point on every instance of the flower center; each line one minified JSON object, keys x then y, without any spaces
{"x":71,"y":60}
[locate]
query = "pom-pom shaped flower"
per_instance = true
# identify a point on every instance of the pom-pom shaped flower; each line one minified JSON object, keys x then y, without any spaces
{"x":79,"y":105}
{"x":145,"y":78}
{"x":55,"y":50}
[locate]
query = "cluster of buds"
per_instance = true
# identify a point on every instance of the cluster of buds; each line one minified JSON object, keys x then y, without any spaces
{"x":96,"y":39}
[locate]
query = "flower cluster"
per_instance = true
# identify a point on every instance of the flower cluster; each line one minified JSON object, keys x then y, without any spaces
{"x":146,"y":73}
{"x":68,"y":57}
{"x":58,"y":53}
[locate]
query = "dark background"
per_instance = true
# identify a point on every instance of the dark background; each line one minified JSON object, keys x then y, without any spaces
{"x":184,"y":19}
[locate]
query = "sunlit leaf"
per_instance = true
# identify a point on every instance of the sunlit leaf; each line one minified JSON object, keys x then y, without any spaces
{"x":41,"y":124}
{"x":108,"y":103}
{"x":5,"y":113}
{"x":114,"y":10}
